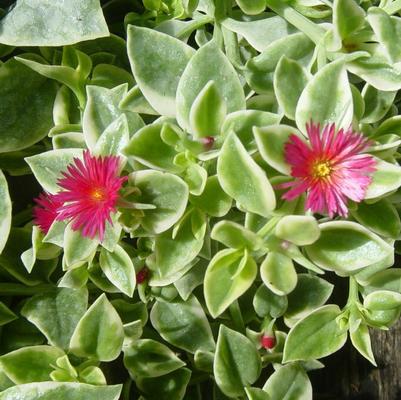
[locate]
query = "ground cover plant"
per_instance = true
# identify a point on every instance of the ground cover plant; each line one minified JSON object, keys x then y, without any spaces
{"x":185,"y":183}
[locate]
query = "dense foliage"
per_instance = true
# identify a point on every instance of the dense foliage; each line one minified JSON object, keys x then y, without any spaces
{"x":210,"y":282}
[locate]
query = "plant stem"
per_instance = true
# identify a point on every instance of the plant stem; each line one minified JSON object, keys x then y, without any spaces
{"x":353,"y":291}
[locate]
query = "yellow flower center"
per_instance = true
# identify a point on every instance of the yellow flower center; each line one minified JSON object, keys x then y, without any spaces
{"x":321,"y":169}
{"x":98,"y":194}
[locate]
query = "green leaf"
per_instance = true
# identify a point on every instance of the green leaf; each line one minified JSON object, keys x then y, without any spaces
{"x":315,"y":336}
{"x":310,"y":293}
{"x":382,"y":300}
{"x":243,"y":179}
{"x":220,"y":71}
{"x":26,"y":105}
{"x":99,"y":334}
{"x":228,"y":276}
{"x":148,"y":359}
{"x":386,"y":178}
{"x":6,"y":315}
{"x":48,"y":166}
{"x":348,"y":17}
{"x":119,"y":269}
{"x":235,"y":236}
{"x":314,"y":104}
{"x":213,"y":200}
{"x":298,"y":229}
{"x":157,"y":61}
{"x":78,"y":248}
{"x":271,"y":141}
{"x":389,"y":279}
{"x":256,"y":394}
{"x":266,"y":303}
{"x":377,"y":103}
{"x":167,"y":192}
{"x":147,"y":147}
{"x":381,"y":217}
{"x":252,"y":7}
{"x":290,"y":79}
{"x":170,"y":386}
{"x":278,"y":273}
{"x":386,"y":28}
{"x":183,"y":324}
{"x":242,"y":122}
{"x":102,"y":108}
{"x":360,"y":339}
{"x":5,"y":211}
{"x":290,"y":383}
{"x":32,"y":23}
{"x":30,"y":364}
{"x":237,"y":362}
{"x":56,"y":313}
{"x":346,"y":247}
{"x":208,"y":112}
{"x":114,"y":138}
{"x":61,"y":390}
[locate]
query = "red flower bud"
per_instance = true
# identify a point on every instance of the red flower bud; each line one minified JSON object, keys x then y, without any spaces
{"x":208,"y":142}
{"x":142,"y":275}
{"x":268,"y":342}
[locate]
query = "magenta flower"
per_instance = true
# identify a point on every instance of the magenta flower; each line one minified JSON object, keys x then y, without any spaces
{"x":45,"y":212}
{"x":330,"y":169}
{"x":90,"y":193}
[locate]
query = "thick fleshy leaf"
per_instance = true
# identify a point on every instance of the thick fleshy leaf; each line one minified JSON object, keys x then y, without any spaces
{"x":170,"y":386}
{"x":30,"y":364}
{"x":314,"y":104}
{"x":235,"y":236}
{"x":157,"y":61}
{"x":207,"y":112}
{"x":148,"y":359}
{"x":99,"y":334}
{"x":167,"y":192}
{"x":229,"y":275}
{"x":266,"y":303}
{"x":56,"y":313}
{"x":278,"y":273}
{"x":271,"y":141}
{"x":237,"y":362}
{"x":289,"y":382}
{"x":119,"y":269}
{"x":26,"y":105}
{"x":377,"y":103}
{"x":48,"y":166}
{"x":61,"y":390}
{"x":315,"y":336}
{"x":260,"y":33}
{"x":360,"y":339}
{"x":298,"y":229}
{"x":290,"y":79}
{"x":386,"y":178}
{"x":147,"y":147}
{"x":183,"y":324}
{"x":5,"y":211}
{"x":243,"y":179}
{"x":220,"y":71}
{"x":114,"y":138}
{"x":347,"y":17}
{"x":36,"y":23}
{"x":252,"y":7}
{"x":102,"y":108}
{"x":345,"y":247}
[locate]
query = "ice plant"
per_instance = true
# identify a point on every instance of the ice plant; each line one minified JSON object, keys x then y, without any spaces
{"x":45,"y":211}
{"x":330,"y":169}
{"x":90,"y":193}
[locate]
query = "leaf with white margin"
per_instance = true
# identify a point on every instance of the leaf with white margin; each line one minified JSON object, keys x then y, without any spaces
{"x":119,"y":269}
{"x":5,"y":211}
{"x":386,"y":178}
{"x":290,"y":383}
{"x":243,"y":179}
{"x":114,"y":138}
{"x":327,"y":98}
{"x":38,"y":23}
{"x":48,"y":166}
{"x":99,"y":333}
{"x":199,"y":71}
{"x":346,"y":247}
{"x":236,"y":363}
{"x":157,"y":62}
{"x":61,"y":390}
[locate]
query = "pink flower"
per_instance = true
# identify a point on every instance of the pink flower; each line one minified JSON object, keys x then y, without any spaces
{"x":330,"y":169}
{"x":45,"y":212}
{"x":90,"y":193}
